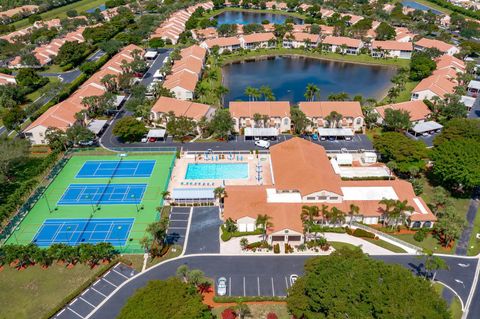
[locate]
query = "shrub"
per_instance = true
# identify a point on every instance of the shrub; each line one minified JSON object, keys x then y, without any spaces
{"x":272,"y":315}
{"x":420,"y":235}
{"x":348,"y":230}
{"x":363,"y":233}
{"x":276,"y":249}
{"x":229,"y":314}
{"x":288,"y":248}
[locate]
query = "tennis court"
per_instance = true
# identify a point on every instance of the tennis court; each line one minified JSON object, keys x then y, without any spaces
{"x":118,"y":168}
{"x":83,"y":231}
{"x":111,"y":194}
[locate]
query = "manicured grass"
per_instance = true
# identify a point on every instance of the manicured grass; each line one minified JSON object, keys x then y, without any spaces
{"x":60,"y":12}
{"x":339,"y":245}
{"x":260,"y":311}
{"x":430,"y":243}
{"x":455,"y":306}
{"x":214,"y":13}
{"x":359,"y":59}
{"x":32,"y":292}
{"x":152,"y":198}
{"x":474,"y":243}
{"x":385,"y":245}
{"x":404,"y":95}
{"x":137,"y":259}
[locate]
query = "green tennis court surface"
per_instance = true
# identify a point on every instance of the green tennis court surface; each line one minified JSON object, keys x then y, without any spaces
{"x":142,"y":209}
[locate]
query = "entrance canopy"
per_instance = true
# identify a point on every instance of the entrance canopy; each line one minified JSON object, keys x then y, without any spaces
{"x":426,"y":127}
{"x":260,"y":131}
{"x":339,"y":132}
{"x":193,"y":194}
{"x":156,"y":133}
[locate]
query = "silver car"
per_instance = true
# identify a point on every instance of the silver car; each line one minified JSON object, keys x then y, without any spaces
{"x":222,"y":286}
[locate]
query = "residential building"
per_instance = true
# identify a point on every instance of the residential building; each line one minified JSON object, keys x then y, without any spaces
{"x":418,"y":110}
{"x":205,"y":34}
{"x":301,"y":40}
{"x":447,"y":61}
{"x":195,"y":111}
{"x":391,"y":49}
{"x":25,"y":9}
{"x":62,"y":115}
{"x":223,"y":44}
{"x":443,"y":47}
{"x":258,"y":41}
{"x":434,"y":85}
{"x":274,"y":5}
{"x":275,"y":113}
{"x":7,"y":79}
{"x":318,"y":113}
{"x":303,"y":175}
{"x":342,"y":45}
{"x":403,"y":34}
{"x":473,"y":88}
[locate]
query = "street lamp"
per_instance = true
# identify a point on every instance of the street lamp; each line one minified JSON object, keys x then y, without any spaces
{"x":46,"y":200}
{"x":133,"y":197}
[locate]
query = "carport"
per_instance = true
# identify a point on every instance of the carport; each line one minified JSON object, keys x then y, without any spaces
{"x":336,"y":133}
{"x":157,"y":134}
{"x":193,"y":195}
{"x":429,"y":127}
{"x":262,"y":132}
{"x":97,"y":126}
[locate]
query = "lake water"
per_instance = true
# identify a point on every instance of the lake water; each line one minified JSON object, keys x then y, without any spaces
{"x":419,"y":6}
{"x":239,"y":17}
{"x":289,"y":76}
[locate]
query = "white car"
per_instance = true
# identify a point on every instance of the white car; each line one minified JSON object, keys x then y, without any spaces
{"x":262,"y":144}
{"x":222,"y":286}
{"x":293,"y":278}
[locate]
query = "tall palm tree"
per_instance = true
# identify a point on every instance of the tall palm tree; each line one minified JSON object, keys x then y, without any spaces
{"x":389,"y":204}
{"x":334,"y":118}
{"x":256,"y":94}
{"x":308,"y":218}
{"x":257,"y":117}
{"x":311,"y":92}
{"x":325,"y":213}
{"x":219,"y":193}
{"x":337,"y":216}
{"x":354,"y":210}
{"x":264,"y":221}
{"x":267,"y":93}
{"x":249,"y":91}
{"x":398,"y":213}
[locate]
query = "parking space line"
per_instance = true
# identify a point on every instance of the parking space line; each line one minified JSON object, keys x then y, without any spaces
{"x":244,"y":292}
{"x":99,"y":292}
{"x":91,"y":305}
{"x":74,"y":312}
{"x":120,"y":273}
{"x":109,"y":282}
{"x":74,"y":301}
{"x":286,"y":282}
{"x":229,"y":286}
{"x":177,"y":227}
{"x":58,"y":314}
{"x":258,"y":285}
{"x":273,"y":287}
{"x":178,"y":220}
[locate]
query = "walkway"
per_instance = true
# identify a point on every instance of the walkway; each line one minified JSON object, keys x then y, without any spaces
{"x":462,"y":245}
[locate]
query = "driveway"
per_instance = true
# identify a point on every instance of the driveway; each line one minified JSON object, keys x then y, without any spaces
{"x":260,"y":271}
{"x":177,"y":227}
{"x":204,"y":236}
{"x":156,"y":65}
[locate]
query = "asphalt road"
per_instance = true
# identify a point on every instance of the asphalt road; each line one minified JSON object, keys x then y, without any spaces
{"x":243,"y":270}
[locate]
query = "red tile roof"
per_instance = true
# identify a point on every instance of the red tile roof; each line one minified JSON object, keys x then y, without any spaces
{"x":324,"y":108}
{"x":417,"y":109}
{"x":270,"y":108}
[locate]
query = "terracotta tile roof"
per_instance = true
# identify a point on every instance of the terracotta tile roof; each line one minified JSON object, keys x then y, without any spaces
{"x":270,"y":108}
{"x":7,"y":79}
{"x":326,"y":30}
{"x":326,"y":12}
{"x":430,"y":43}
{"x":207,"y":33}
{"x":353,"y":18}
{"x":183,"y":79}
{"x":258,"y":37}
{"x":189,"y":63}
{"x":222,"y":42}
{"x":26,"y":8}
{"x":324,"y":108}
{"x":352,"y":43}
{"x":403,"y":34}
{"x":301,"y":165}
{"x":301,"y":27}
{"x":392,"y":45}
{"x":449,"y":61}
{"x":436,"y":84}
{"x":417,"y":109}
{"x":194,"y":51}
{"x":181,"y":108}
{"x":303,"y":36}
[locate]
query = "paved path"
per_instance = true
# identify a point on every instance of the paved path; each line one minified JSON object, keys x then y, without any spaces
{"x":248,"y":274}
{"x":463,"y":242}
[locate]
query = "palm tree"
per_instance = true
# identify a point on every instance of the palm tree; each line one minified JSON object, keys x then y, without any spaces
{"x":432,"y":263}
{"x":158,"y":231}
{"x":146,"y":243}
{"x":219,"y":193}
{"x":334,"y":118}
{"x":308,"y":218}
{"x":400,"y":207}
{"x":267,"y":93}
{"x":264,"y":221}
{"x":354,"y":210}
{"x":325,"y":213}
{"x":311,"y":92}
{"x":249,"y":91}
{"x":337,"y":216}
{"x":389,"y":204}
{"x":165,"y":194}
{"x":257,"y":117}
{"x":256,"y":94}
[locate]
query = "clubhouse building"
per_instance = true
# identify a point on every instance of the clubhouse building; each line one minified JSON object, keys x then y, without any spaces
{"x":302,"y":174}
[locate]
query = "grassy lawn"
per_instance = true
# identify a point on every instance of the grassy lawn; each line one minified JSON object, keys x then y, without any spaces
{"x":385,"y":245}
{"x":260,"y":311}
{"x":137,"y":259}
{"x":60,"y":12}
{"x":371,"y":133}
{"x":455,"y":306}
{"x":52,"y":68}
{"x":32,"y":292}
{"x":404,"y":95}
{"x":474,"y":243}
{"x":214,"y":13}
{"x":339,"y":245}
{"x":359,"y":59}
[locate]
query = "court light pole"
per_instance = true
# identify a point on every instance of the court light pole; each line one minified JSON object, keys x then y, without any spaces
{"x":46,"y":200}
{"x":136,"y":205}
{"x":91,"y":204}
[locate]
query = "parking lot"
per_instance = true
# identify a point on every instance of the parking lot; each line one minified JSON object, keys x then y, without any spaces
{"x":204,"y":231}
{"x":177,"y":228}
{"x":276,"y":286}
{"x":88,"y":300}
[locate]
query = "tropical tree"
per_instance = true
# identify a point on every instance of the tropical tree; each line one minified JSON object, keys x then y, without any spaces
{"x":242,"y":310}
{"x":158,"y":232}
{"x":308,"y":218}
{"x":220,"y":193}
{"x":353,"y":211}
{"x":334,"y":119}
{"x":398,"y":212}
{"x":264,"y":222}
{"x":336,"y":216}
{"x":267,"y":93}
{"x":312,"y":91}
{"x":389,"y":205}
{"x":257,"y":117}
{"x":432,"y":263}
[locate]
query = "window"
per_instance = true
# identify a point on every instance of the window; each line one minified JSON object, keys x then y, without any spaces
{"x":322,"y":197}
{"x":359,"y":121}
{"x":415,"y":96}
{"x":333,"y":197}
{"x":28,"y":134}
{"x":286,"y":121}
{"x":311,"y":198}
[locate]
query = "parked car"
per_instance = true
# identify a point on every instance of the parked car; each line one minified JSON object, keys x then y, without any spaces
{"x":293,"y":278}
{"x":262,"y":144}
{"x":144,"y":139}
{"x":87,"y":143}
{"x":315,"y":137}
{"x":222,"y":286}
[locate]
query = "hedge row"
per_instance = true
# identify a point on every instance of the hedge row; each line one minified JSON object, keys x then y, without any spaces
{"x":368,"y":178}
{"x":230,"y":299}
{"x":226,"y":236}
{"x":358,"y":232}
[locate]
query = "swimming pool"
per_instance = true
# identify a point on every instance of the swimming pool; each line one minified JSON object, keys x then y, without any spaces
{"x":217,"y":171}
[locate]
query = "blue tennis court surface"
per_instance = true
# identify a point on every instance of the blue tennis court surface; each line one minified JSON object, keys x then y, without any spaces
{"x":112,"y":194}
{"x":84,"y":230}
{"x":107,"y":169}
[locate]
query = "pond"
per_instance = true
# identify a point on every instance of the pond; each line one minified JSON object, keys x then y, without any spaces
{"x":289,"y":76}
{"x":102,"y":7}
{"x":242,"y":17}
{"x":419,"y":6}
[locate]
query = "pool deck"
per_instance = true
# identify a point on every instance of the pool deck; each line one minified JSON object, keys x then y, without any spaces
{"x":179,"y":171}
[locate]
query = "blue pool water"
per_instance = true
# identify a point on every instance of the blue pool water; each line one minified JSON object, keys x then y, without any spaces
{"x":419,"y":6}
{"x":217,"y":171}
